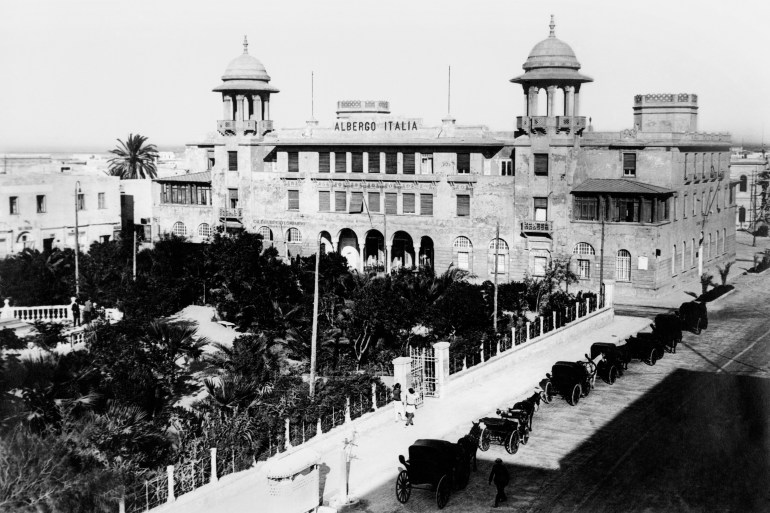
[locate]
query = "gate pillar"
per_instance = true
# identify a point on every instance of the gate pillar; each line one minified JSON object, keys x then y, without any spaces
{"x":441,"y":350}
{"x":402,"y":372}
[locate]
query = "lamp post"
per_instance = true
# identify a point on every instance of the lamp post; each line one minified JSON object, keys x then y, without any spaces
{"x":77,"y":239}
{"x":314,"y":336}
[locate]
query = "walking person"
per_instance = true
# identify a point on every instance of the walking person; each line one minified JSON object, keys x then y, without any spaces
{"x":75,"y":313}
{"x":87,"y":309}
{"x":398,"y":403}
{"x":500,"y":477}
{"x":411,"y":406}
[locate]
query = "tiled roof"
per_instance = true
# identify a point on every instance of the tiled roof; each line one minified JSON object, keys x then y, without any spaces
{"x":204,"y":177}
{"x":620,"y":186}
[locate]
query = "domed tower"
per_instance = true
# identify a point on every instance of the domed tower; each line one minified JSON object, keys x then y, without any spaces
{"x":552,"y":66}
{"x":246,"y":93}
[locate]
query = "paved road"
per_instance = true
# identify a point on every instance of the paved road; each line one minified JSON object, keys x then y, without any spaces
{"x":691,"y":433}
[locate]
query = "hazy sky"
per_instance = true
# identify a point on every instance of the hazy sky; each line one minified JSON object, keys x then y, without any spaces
{"x":77,"y":74}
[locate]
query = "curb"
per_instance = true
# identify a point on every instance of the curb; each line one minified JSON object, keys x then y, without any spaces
{"x":724,"y":295}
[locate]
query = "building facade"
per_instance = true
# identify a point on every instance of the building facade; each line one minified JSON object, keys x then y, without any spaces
{"x":749,"y":172}
{"x":387,"y":191}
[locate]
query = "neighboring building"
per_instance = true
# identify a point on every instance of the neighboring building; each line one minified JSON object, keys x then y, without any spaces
{"x":37,"y":209}
{"x":388,"y":191}
{"x":748,"y":170}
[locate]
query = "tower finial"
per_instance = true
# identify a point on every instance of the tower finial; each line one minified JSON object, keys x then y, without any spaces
{"x":246,"y":44}
{"x":553,"y":27}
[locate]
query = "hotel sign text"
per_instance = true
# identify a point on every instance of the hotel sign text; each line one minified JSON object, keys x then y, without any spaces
{"x":374,"y":126}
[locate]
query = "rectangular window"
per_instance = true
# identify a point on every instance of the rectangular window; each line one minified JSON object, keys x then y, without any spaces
{"x":391,"y":163}
{"x":463,"y":163}
{"x":41,"y":203}
{"x":340,"y":162}
{"x":293,"y":162}
{"x":463,"y":260}
{"x":676,"y":207}
{"x":540,"y":264}
{"x":409,"y":159}
{"x":541,"y":209}
{"x":391,"y":203}
{"x":646,"y":210}
{"x":232,"y":161}
{"x":324,"y":162}
{"x":324,"y":201}
{"x":426,"y":164}
{"x":408,"y":199}
{"x":100,"y":199}
{"x":584,"y":269}
{"x":356,"y":202}
{"x":629,"y":164}
{"x":684,"y":207}
{"x":14,"y":204}
{"x":358,"y":162}
{"x":293,"y":200}
{"x":463,"y":205}
{"x":541,"y":164}
{"x":374,"y":202}
{"x":104,"y":238}
{"x":506,"y":167}
{"x":586,"y":209}
{"x":426,"y":204}
{"x":374,"y":161}
{"x":340,"y":201}
{"x":233,"y":195}
{"x":204,"y":195}
{"x":81,"y":201}
{"x":627,"y":210}
{"x":210,"y":160}
{"x":732,"y":194}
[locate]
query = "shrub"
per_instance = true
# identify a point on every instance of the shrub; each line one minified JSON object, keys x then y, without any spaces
{"x":724,"y":271}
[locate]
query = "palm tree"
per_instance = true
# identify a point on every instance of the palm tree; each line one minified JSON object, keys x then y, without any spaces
{"x":134,"y":159}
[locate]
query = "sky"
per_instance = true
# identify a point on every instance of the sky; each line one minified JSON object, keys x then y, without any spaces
{"x":78,"y":74}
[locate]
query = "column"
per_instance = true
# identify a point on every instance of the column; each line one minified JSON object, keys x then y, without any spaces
{"x":569,"y":99}
{"x":576,"y":101}
{"x":257,"y":100}
{"x":227,"y":108}
{"x":335,"y":243}
{"x":388,"y":257}
{"x":551,"y":92}
{"x":361,"y":252}
{"x":441,"y":350}
{"x":239,"y":107}
{"x":416,"y":256}
{"x":245,"y":106}
{"x":526,"y":102}
{"x":533,"y":93}
{"x":266,"y":105}
{"x":402,"y":372}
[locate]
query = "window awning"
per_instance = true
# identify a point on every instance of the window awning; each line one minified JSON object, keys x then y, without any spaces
{"x":233,"y":225}
{"x":619,"y":186}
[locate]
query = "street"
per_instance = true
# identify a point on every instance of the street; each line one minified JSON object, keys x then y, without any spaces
{"x":689,"y":434}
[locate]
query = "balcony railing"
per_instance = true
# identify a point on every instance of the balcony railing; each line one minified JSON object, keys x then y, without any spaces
{"x":537,"y":226}
{"x":231,"y":213}
{"x":248,"y":126}
{"x":551,"y":124}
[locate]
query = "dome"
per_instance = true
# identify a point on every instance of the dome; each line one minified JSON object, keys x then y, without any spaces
{"x":245,"y":73}
{"x":551,"y":53}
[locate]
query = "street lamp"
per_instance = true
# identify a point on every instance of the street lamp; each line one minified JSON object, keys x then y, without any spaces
{"x":77,"y":239}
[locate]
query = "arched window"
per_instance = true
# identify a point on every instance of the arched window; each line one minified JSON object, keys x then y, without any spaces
{"x":673,"y":261}
{"x":266,"y":233}
{"x":293,"y":236}
{"x":743,"y":186}
{"x":501,"y":250}
{"x":463,"y":249}
{"x":179,"y":229}
{"x":742,"y":215}
{"x":623,"y":266}
{"x":204,"y":230}
{"x":583,"y":248}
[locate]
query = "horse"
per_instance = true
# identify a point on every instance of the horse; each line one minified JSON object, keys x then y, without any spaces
{"x":470,"y":442}
{"x":529,"y":406}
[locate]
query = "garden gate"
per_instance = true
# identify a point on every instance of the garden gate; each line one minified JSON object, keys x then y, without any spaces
{"x":423,"y":372}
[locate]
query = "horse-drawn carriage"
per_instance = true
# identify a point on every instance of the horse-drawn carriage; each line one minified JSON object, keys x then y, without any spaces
{"x":435,"y":465}
{"x":647,"y":347}
{"x":612,"y":361}
{"x":668,"y":327}
{"x":572,"y":380}
{"x":694,"y":316}
{"x":510,"y":429}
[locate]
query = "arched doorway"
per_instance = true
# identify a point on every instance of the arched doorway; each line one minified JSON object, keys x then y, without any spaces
{"x":326,"y":242}
{"x":402,"y":251}
{"x":348,"y":247}
{"x":374,"y":251}
{"x":426,"y":252}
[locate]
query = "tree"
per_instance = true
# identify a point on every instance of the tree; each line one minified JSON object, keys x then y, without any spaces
{"x":134,"y":159}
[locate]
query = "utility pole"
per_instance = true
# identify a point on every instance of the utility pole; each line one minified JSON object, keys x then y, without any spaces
{"x":77,"y":239}
{"x":314,"y":336}
{"x":133,"y":252}
{"x":497,"y":247}
{"x":601,"y":263}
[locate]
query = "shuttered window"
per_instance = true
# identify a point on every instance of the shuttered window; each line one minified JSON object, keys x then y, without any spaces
{"x":293,"y":162}
{"x":340,"y":162}
{"x":391,"y":163}
{"x":324,"y":201}
{"x":374,"y":202}
{"x":426,"y":204}
{"x":356,"y":202}
{"x":323,"y":162}
{"x":541,"y":164}
{"x":340,"y":201}
{"x":358,"y":162}
{"x":293,"y":200}
{"x":409,"y":163}
{"x":391,"y":203}
{"x":232,"y":161}
{"x":463,"y":205}
{"x":629,"y":164}
{"x":463,"y":163}
{"x":374,"y":161}
{"x":408,"y":198}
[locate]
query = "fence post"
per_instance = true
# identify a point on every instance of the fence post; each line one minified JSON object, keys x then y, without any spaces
{"x":374,"y":397}
{"x":347,"y":410}
{"x":566,"y":315}
{"x":441,"y":351}
{"x":513,"y":336}
{"x":170,"y":479}
{"x":287,"y":437}
{"x":528,"y":325}
{"x":214,"y":478}
{"x":588,"y":306}
{"x":609,"y":293}
{"x":541,"y":326}
{"x":481,"y":351}
{"x":497,"y":348}
{"x":122,"y":505}
{"x":554,"y":319}
{"x":318,"y":430}
{"x":465,"y":363}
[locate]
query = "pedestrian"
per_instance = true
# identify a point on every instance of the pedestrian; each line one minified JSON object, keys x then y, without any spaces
{"x":398,"y":403}
{"x":500,"y":477}
{"x":411,"y":406}
{"x":87,"y":310}
{"x":75,"y":313}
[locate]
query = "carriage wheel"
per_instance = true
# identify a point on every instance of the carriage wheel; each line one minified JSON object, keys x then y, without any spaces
{"x":612,"y":375}
{"x":485,"y":439}
{"x":653,"y":356}
{"x":403,"y":487}
{"x":575,"y":396}
{"x":512,"y":445}
{"x":442,"y":492}
{"x":548,"y":393}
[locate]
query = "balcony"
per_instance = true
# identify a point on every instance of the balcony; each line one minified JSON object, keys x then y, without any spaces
{"x":551,"y":124}
{"x":537,"y":226}
{"x":231,"y":213}
{"x":248,"y":126}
